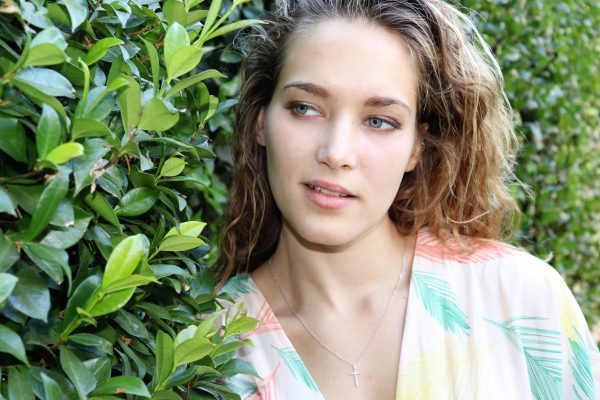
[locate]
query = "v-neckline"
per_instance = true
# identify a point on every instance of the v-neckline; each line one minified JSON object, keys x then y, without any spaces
{"x":289,"y":343}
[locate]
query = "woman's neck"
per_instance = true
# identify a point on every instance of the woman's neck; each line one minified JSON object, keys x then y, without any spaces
{"x":339,"y":278}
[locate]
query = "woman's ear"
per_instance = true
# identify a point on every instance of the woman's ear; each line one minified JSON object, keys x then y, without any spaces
{"x":260,"y":128}
{"x":415,"y":154}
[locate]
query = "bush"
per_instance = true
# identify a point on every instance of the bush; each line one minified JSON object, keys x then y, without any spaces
{"x":548,"y":52}
{"x":107,"y":175}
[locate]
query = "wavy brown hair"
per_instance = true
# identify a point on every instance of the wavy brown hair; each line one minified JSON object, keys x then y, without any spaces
{"x":460,"y":186}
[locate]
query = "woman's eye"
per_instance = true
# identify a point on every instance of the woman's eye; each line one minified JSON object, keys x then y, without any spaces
{"x":304,"y":110}
{"x":380,"y":123}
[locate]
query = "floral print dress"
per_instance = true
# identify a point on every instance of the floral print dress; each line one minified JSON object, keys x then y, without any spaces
{"x":496,"y":323}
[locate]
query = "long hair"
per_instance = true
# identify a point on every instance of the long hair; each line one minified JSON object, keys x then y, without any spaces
{"x":460,"y":185}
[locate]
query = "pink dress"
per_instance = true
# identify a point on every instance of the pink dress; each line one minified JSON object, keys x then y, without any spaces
{"x":497,"y":323}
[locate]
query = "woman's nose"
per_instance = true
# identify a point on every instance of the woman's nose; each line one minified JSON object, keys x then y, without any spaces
{"x":338,"y":149}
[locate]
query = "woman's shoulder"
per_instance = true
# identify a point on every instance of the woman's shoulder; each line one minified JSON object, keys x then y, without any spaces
{"x":486,"y":259}
{"x":468,"y":250}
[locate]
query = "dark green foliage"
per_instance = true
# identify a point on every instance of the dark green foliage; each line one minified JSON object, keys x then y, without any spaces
{"x":548,"y":52}
{"x":106,"y":181}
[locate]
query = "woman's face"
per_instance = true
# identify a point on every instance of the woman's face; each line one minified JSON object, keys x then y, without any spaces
{"x":340,"y":131}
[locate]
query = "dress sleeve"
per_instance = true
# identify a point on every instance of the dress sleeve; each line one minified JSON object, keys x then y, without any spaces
{"x":581,"y":358}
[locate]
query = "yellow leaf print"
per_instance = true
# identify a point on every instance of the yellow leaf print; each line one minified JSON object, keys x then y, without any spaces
{"x":455,"y":371}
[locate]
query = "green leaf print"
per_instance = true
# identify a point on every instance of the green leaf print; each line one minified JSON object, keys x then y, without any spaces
{"x":585,"y":387}
{"x":240,"y":386}
{"x":292,"y":360}
{"x":440,"y":301}
{"x":237,"y":284}
{"x":541,"y":349}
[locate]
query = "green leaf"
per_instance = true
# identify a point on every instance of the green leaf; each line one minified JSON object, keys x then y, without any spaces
{"x":209,"y":109}
{"x":172,"y":167}
{"x":238,"y":366}
{"x":188,"y":228}
{"x":79,"y":375}
{"x":192,"y":350}
{"x":124,"y":259}
{"x":64,"y":153}
{"x":77,"y":12}
{"x":90,"y":340}
{"x":12,"y":140}
{"x":27,"y":197}
{"x":174,"y":11}
{"x":170,"y":141}
{"x":47,"y":81}
{"x":8,"y":254}
{"x":7,"y":204}
{"x":164,"y":358}
{"x":241,"y":325}
{"x":175,"y":39}
{"x":52,"y":390}
{"x":100,"y":48}
{"x":186,"y":334}
{"x":130,"y":100}
{"x":131,"y":282}
{"x":180,"y":243}
{"x":84,"y":127}
{"x":112,"y":302}
{"x":51,"y":35}
{"x":20,"y":385}
{"x":50,"y":260}
{"x":154,"y":63}
{"x":157,"y":117}
{"x":49,"y":132}
{"x":194,"y":16}
{"x":40,"y":98}
{"x":136,"y":202}
{"x":100,"y":205}
{"x":183,"y":61}
{"x":122,"y":385}
{"x":233,"y":27}
{"x":69,"y":236}
{"x":192,"y":80}
{"x":80,"y":297}
{"x":88,"y":166}
{"x":7,"y":285}
{"x":131,"y":324}
{"x":11,"y":343}
{"x":45,"y":54}
{"x":228,"y":348}
{"x":213,"y":13}
{"x":165,"y":395}
{"x":64,"y":214}
{"x":31,"y":295}
{"x":51,"y":197}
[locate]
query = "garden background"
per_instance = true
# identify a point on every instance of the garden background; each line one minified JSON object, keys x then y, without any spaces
{"x":115,"y":123}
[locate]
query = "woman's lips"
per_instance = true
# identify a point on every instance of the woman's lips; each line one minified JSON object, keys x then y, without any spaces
{"x":327,"y":195}
{"x":329,"y":188}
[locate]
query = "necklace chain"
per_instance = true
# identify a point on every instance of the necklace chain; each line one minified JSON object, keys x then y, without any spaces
{"x":352,"y":364}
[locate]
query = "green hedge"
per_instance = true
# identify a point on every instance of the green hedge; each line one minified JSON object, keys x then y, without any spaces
{"x":548,"y":51}
{"x":106,"y":183}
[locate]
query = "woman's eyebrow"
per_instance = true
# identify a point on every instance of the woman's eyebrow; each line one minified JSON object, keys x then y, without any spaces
{"x":320,"y":91}
{"x":386,"y":101}
{"x":309,"y":88}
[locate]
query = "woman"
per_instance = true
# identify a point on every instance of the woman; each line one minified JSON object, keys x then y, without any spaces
{"x":373,"y":150}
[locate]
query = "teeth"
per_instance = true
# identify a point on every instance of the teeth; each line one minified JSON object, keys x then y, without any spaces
{"x":329,"y":192}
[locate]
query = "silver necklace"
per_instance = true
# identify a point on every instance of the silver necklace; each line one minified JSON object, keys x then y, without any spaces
{"x":352,"y":364}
